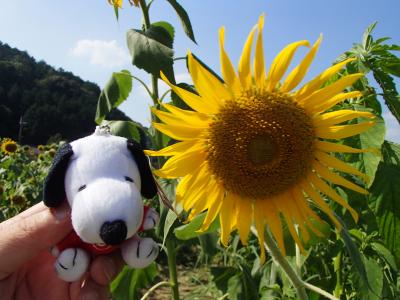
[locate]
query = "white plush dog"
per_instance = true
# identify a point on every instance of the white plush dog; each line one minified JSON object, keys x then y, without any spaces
{"x":103,"y":178}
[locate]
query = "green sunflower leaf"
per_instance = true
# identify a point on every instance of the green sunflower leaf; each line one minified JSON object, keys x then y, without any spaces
{"x":125,"y":129}
{"x":384,"y":197}
{"x":390,"y":94}
{"x":168,"y":27}
{"x":375,"y":280}
{"x":130,"y":281}
{"x":190,"y":230}
{"x":242,"y":287}
{"x":354,"y":254}
{"x":184,"y":17}
{"x":114,"y":93}
{"x":385,"y":254}
{"x":151,"y":51}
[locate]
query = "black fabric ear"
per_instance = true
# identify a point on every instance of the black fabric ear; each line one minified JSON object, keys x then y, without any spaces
{"x":148,"y":188}
{"x":53,"y":189}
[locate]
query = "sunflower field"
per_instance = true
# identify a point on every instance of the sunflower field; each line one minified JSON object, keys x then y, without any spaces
{"x":273,"y":188}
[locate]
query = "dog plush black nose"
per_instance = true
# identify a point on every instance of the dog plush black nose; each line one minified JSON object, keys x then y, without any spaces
{"x":113,"y":233}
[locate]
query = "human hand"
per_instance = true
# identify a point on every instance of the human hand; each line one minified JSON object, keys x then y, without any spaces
{"x":26,"y":265}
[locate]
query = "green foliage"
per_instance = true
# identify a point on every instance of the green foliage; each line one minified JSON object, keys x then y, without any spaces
{"x":151,"y":50}
{"x":375,"y":56}
{"x":183,"y":16}
{"x":114,"y":93}
{"x":21,"y":178}
{"x":191,"y":229}
{"x":129,"y":282}
{"x":385,"y":195}
{"x":123,"y":128}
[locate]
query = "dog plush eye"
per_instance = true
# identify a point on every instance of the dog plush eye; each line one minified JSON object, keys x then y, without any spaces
{"x":82,"y":187}
{"x":128,"y":179}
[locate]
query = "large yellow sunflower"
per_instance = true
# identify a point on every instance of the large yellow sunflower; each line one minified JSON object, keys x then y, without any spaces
{"x":253,"y":150}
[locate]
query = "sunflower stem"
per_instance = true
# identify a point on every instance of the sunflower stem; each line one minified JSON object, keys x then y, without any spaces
{"x":173,"y":278}
{"x":170,"y":244}
{"x":276,"y":254}
{"x":298,"y":257}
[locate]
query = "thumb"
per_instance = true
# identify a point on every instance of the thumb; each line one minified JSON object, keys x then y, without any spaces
{"x":27,"y":234}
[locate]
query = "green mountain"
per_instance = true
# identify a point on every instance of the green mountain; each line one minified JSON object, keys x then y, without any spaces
{"x":52,"y":103}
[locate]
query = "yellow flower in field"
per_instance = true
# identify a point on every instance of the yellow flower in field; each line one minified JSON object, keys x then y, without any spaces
{"x":253,"y":150}
{"x":8,"y":146}
{"x":118,"y":3}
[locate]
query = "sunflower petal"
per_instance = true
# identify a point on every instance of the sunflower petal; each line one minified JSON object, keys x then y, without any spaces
{"x":333,"y":162}
{"x":272,"y":217}
{"x":313,"y":85}
{"x":287,"y":214}
{"x":244,"y":213}
{"x":337,"y":179}
{"x":207,"y":85}
{"x":327,"y":190}
{"x":227,"y":69}
{"x":316,"y":197}
{"x":260,"y":226}
{"x":187,"y":114}
{"x":329,"y":91}
{"x":259,"y":64}
{"x":179,"y":132}
{"x":333,"y":147}
{"x":244,"y":62}
{"x":186,"y":182}
{"x":196,"y":191}
{"x":173,"y":119}
{"x":298,"y":73}
{"x":215,"y":201}
{"x":327,"y":104}
{"x":193,"y":100}
{"x":340,"y":116}
{"x":281,"y":63}
{"x":174,"y":149}
{"x":306,"y":212}
{"x":342,"y":131}
{"x":225,"y":217}
{"x":181,"y":165}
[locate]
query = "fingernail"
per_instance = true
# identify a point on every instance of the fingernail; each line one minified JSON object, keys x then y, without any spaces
{"x":110,"y":269}
{"x":61,"y":212}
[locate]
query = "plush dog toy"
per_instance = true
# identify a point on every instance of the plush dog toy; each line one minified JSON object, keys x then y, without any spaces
{"x":103,"y":178}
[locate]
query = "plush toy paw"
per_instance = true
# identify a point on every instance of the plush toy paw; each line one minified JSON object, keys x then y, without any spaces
{"x":151,"y":219}
{"x":139,"y":252}
{"x":71,"y":264}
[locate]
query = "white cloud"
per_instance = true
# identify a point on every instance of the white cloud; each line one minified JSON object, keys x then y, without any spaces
{"x":106,"y":54}
{"x":392,"y":127}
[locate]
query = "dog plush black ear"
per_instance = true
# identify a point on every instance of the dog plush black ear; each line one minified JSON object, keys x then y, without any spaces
{"x":53,"y":189}
{"x":148,"y":187}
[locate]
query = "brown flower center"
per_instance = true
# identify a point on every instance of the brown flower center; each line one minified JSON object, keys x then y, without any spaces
{"x":260,"y":144}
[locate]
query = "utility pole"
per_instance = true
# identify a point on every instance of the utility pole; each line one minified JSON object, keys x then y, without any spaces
{"x":21,"y":125}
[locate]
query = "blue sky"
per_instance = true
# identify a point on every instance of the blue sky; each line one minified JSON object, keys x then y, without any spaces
{"x":83,"y":36}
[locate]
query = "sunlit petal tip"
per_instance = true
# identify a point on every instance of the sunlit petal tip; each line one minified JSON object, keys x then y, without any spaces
{"x":261,"y":22}
{"x":222,"y":36}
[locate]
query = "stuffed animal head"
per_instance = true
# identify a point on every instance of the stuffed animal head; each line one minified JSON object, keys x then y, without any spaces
{"x":103,"y":178}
